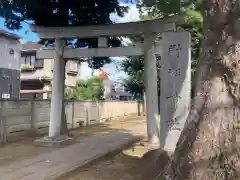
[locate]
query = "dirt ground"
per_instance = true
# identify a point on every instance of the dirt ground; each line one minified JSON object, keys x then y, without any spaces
{"x":20,"y":149}
{"x":135,"y":163}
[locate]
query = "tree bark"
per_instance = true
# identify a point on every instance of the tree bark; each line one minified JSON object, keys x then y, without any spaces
{"x":215,"y":105}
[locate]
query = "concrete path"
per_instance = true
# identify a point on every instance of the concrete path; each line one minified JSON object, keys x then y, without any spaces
{"x":52,"y":165}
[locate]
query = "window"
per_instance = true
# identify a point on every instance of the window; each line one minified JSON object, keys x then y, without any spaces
{"x":5,"y":74}
{"x":10,"y":90}
{"x":39,"y":63}
{"x":30,"y":60}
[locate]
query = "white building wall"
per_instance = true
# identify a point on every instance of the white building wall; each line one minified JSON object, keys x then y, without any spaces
{"x":7,"y":60}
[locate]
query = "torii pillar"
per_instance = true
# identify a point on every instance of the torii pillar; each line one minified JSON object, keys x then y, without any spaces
{"x":58,"y":85}
{"x":150,"y":75}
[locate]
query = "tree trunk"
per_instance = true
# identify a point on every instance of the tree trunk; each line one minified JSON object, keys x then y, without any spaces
{"x":215,"y":108}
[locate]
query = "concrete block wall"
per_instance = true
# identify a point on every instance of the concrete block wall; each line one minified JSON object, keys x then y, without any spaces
{"x":26,"y":115}
{"x":16,"y":116}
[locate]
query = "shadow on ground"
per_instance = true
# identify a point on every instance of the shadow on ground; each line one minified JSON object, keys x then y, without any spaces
{"x":22,"y":146}
{"x":134,"y":163}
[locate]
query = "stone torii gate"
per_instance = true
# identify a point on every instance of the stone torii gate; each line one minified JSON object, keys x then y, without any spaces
{"x":175,"y":76}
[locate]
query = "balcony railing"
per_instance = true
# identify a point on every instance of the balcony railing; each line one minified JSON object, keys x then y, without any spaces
{"x":33,"y":76}
{"x":72,"y":72}
{"x":27,"y":68}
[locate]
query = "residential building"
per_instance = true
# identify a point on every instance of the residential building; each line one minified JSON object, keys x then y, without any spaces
{"x":113,"y":91}
{"x":120,"y":94}
{"x":36,"y":74}
{"x":9,"y":65}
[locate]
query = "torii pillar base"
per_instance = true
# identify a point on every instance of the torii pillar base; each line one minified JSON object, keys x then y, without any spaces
{"x":58,"y":141}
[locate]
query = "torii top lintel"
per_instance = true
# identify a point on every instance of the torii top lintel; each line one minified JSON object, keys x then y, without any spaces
{"x":121,"y":29}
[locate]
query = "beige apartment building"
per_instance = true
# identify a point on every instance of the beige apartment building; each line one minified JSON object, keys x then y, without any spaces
{"x":36,"y":74}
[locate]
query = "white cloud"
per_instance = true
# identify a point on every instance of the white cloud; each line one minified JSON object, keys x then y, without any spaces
{"x":112,"y":69}
{"x":131,"y":16}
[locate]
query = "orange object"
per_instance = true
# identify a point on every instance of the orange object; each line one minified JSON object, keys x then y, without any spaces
{"x":103,"y":75}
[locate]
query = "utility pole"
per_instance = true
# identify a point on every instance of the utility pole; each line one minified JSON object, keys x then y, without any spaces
{"x":92,"y":66}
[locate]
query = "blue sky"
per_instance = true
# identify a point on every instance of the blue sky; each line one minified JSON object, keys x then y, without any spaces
{"x":25,"y":32}
{"x":114,"y":73}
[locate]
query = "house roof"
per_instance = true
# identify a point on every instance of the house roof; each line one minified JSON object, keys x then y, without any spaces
{"x":9,"y":35}
{"x":31,"y":46}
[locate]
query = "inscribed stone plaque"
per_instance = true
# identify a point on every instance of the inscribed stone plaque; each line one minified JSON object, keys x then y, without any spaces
{"x":175,"y":87}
